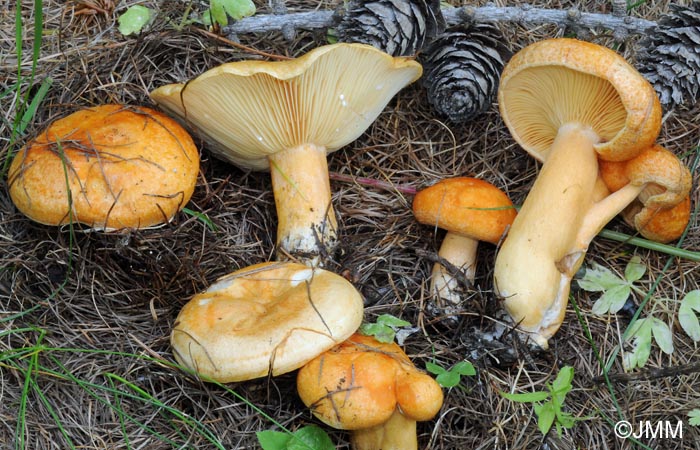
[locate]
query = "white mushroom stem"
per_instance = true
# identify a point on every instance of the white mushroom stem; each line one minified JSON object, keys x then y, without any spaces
{"x":306,"y":220}
{"x":459,"y":251}
{"x":397,"y":433}
{"x":548,"y":239}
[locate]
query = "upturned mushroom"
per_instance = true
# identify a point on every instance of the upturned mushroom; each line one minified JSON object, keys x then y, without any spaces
{"x":110,"y":167}
{"x":471,"y":210}
{"x":569,"y":104}
{"x":372,"y":389}
{"x":267,"y":319}
{"x":662,"y":210}
{"x":285,"y":116}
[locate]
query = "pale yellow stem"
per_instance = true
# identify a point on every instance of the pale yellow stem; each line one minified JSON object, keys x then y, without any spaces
{"x":603,"y":212}
{"x":459,"y":251}
{"x":307,"y":227}
{"x":537,"y":259}
{"x":397,"y":433}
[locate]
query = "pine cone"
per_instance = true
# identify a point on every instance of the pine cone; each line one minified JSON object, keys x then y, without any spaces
{"x":397,"y":27}
{"x":670,"y":57}
{"x":462,"y":69}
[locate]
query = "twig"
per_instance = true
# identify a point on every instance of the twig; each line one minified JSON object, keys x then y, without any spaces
{"x":233,"y":43}
{"x":404,"y":189}
{"x":651,"y":373}
{"x":524,"y":14}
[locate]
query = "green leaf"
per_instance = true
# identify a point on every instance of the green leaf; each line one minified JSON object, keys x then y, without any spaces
{"x":562,"y":383}
{"x":391,"y":321}
{"x":528,"y":397}
{"x":687,"y":317}
{"x":641,"y":327}
{"x":273,"y":440}
{"x":638,"y":357}
{"x":434,"y":368}
{"x":310,"y":437}
{"x":599,"y":279}
{"x":612,"y":300}
{"x":464,"y":368}
{"x":381,"y":333}
{"x":565,"y":419}
{"x":220,"y":10}
{"x":134,"y":19}
{"x":635,"y":269}
{"x":694,"y":418}
{"x":448,"y":379}
{"x":662,"y":335}
{"x":545,"y":417}
{"x":384,"y":330}
{"x":640,"y":334}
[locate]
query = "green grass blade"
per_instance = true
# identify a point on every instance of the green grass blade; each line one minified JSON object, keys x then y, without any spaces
{"x":30,"y":111}
{"x":650,"y":245}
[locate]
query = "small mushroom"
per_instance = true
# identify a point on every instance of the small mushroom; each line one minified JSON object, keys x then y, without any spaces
{"x":267,"y":319}
{"x":662,"y":210}
{"x":110,"y":167}
{"x":372,"y":389}
{"x":471,"y":210}
{"x":285,"y":116}
{"x":569,"y":104}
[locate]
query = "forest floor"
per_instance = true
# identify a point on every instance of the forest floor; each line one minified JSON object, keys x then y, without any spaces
{"x":85,"y":317}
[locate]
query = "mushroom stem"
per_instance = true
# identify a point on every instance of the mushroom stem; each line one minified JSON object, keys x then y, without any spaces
{"x":397,"y":433}
{"x":603,"y":212}
{"x":534,"y":266}
{"x":307,"y":225}
{"x":459,"y":251}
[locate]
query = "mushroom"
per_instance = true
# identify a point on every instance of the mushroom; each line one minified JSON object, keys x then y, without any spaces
{"x":471,"y":210}
{"x":662,"y":210}
{"x":285,"y":116}
{"x":266,"y":319}
{"x":372,"y":389}
{"x":110,"y":167}
{"x":569,"y":104}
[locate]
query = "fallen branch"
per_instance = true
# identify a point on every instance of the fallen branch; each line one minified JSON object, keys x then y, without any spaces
{"x":650,"y":374}
{"x":621,"y":25}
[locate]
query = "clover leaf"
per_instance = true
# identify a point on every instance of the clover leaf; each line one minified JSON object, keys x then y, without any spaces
{"x":641,"y":334}
{"x":615,"y":289}
{"x":687,"y":314}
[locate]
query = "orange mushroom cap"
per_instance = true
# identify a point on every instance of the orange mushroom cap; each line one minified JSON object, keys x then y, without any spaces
{"x":361,"y":382}
{"x":466,"y":206}
{"x":109,"y":167}
{"x":662,"y":209}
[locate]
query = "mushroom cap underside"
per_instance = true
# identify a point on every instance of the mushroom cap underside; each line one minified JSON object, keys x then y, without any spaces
{"x":269,"y":318}
{"x":558,"y":81}
{"x":109,"y":167}
{"x":247,"y":110}
{"x":466,"y":206}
